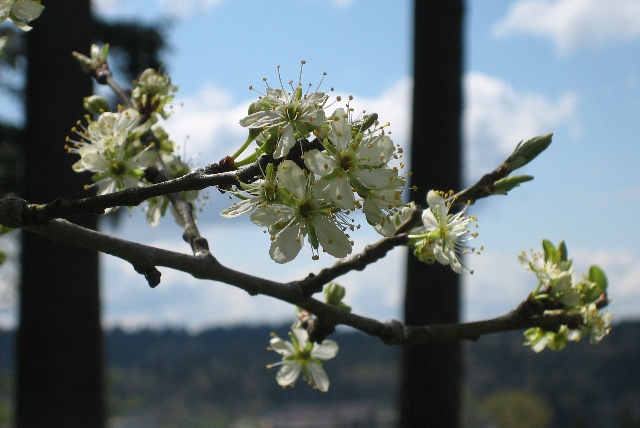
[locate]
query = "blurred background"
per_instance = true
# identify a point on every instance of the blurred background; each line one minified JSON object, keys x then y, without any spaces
{"x":530,"y":67}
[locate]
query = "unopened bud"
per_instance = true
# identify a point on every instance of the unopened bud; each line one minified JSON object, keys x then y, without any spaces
{"x":95,"y":104}
{"x":526,"y":152}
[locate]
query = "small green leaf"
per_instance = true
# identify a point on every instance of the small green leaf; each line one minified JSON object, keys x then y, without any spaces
{"x":551,"y":254}
{"x":3,"y":256}
{"x":505,"y":184}
{"x":598,"y":276}
{"x":562,"y":250}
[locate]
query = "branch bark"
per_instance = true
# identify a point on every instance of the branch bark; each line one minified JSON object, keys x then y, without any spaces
{"x":145,"y":260}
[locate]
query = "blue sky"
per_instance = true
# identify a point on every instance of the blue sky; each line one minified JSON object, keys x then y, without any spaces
{"x":531,"y":67}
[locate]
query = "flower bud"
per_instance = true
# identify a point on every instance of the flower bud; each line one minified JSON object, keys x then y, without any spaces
{"x":95,"y":104}
{"x":525,"y":153}
{"x":97,"y":60}
{"x":333,"y":295}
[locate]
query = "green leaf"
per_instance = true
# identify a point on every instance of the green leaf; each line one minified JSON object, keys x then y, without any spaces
{"x":505,"y":184}
{"x":598,"y":276}
{"x":551,"y":254}
{"x":563,"y":252}
{"x":3,"y":256}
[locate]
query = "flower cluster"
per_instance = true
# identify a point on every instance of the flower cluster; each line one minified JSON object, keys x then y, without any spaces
{"x":20,"y":12}
{"x":560,"y":291}
{"x":286,"y":204}
{"x":442,"y":236}
{"x":349,"y":165}
{"x":282,"y":117}
{"x":110,"y":148}
{"x":302,"y":356}
{"x":119,"y":148}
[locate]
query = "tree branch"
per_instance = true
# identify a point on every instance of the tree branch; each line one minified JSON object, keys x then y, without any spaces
{"x":145,"y":260}
{"x":33,"y":214}
{"x":371,"y":254}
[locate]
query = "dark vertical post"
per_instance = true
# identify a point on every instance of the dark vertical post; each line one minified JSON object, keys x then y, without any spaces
{"x":59,"y":349}
{"x":431,"y":374}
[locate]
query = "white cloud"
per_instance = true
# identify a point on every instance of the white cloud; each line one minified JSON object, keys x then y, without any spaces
{"x":498,"y":285}
{"x":208,"y":123}
{"x":393,"y":106}
{"x":572,"y":24}
{"x":497,"y":117}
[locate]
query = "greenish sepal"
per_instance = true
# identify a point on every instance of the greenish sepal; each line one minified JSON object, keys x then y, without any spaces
{"x":313,"y":238}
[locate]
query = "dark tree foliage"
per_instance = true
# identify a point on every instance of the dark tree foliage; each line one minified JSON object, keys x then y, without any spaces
{"x":431,"y":374}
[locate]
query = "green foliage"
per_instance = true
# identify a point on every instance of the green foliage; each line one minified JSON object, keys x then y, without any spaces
{"x":511,"y":408}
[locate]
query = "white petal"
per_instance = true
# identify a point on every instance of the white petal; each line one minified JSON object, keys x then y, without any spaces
{"x":372,"y":211}
{"x":287,"y":140}
{"x":154,"y":212}
{"x":27,"y":10}
{"x":319,"y":163}
{"x":292,"y":178}
{"x":331,"y":237}
{"x":282,"y":347}
{"x":318,"y":376}
{"x":287,"y":244}
{"x":301,"y":336}
{"x":271,"y":214}
{"x":288,"y":373}
{"x":437,"y":204}
{"x":259,"y":119}
{"x":339,"y":191}
{"x":375,"y":151}
{"x":107,"y":185}
{"x":387,"y":228}
{"x":340,"y":134}
{"x":429,"y":220}
{"x":376,"y":178}
{"x":325,"y":351}
{"x":239,"y":208}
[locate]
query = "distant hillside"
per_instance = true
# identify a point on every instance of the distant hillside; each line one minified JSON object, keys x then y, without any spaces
{"x":218,"y":378}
